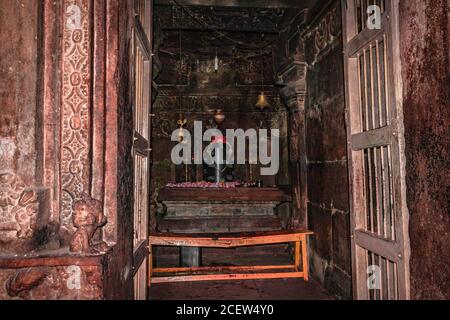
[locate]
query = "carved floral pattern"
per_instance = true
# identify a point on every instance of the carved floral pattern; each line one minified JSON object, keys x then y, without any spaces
{"x":75,"y":115}
{"x":18,"y":209}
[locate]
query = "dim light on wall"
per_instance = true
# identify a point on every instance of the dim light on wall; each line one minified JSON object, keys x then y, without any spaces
{"x":262,"y":98}
{"x":216,"y":63}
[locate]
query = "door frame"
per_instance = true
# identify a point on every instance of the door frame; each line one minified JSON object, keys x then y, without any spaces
{"x":140,"y":90}
{"x":398,"y":249}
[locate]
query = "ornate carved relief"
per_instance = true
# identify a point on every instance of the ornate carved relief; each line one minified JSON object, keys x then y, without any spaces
{"x":75,"y":115}
{"x":225,"y":18}
{"x":327,"y":31}
{"x":52,"y":283}
{"x":315,"y":112}
{"x":21,"y":283}
{"x":163,"y":127}
{"x":237,"y":66}
{"x":18,"y":209}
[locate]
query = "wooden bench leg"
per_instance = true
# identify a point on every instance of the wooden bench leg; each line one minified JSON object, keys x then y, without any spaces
{"x":297,"y":255}
{"x":305,"y":258}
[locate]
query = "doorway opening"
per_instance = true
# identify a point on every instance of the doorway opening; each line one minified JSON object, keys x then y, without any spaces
{"x":111,"y":111}
{"x":272,"y":66}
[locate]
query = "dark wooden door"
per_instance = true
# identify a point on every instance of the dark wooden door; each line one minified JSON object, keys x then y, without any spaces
{"x":379,"y":216}
{"x":141,"y":55}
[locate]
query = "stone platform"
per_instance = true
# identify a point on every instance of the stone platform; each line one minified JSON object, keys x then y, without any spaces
{"x":197,"y":210}
{"x":228,"y":208}
{"x":216,"y":210}
{"x":220,"y":224}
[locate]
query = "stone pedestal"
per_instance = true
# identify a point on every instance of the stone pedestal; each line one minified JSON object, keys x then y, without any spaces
{"x":219,"y":211}
{"x":225,"y":208}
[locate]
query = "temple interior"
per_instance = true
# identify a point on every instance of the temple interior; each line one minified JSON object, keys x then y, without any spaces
{"x":106,"y":191}
{"x":214,"y":64}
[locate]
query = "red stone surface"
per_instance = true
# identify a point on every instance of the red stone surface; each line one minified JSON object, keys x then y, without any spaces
{"x":60,"y":277}
{"x":35,"y":164}
{"x":424,"y":38}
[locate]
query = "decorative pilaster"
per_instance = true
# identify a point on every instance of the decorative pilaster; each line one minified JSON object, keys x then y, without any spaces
{"x":75,"y":108}
{"x":293,"y":77}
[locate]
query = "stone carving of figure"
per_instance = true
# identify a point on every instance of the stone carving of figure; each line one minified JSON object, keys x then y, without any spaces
{"x":21,"y":283}
{"x":87,"y":218}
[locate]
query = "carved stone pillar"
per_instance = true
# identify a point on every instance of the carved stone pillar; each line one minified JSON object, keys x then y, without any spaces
{"x":75,"y":107}
{"x":293,"y":94}
{"x":72,"y":153}
{"x":83,"y":112}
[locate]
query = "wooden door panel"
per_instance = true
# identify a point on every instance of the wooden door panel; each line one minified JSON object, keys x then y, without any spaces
{"x":142,"y":84}
{"x":380,"y":243}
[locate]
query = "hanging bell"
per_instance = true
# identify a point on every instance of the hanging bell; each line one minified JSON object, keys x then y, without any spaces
{"x":262,"y":102}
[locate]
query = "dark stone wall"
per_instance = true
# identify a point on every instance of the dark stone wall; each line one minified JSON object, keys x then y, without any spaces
{"x":289,"y":61}
{"x":424,"y":43}
{"x":326,"y":149}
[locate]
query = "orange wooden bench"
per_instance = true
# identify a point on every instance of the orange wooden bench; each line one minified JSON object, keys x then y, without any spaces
{"x":297,"y":270}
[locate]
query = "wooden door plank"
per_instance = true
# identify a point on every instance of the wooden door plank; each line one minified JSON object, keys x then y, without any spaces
{"x":372,"y":139}
{"x":378,"y":245}
{"x":366,"y":36}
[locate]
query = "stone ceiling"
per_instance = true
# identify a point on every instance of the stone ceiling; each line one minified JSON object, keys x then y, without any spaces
{"x":301,"y":4}
{"x":224,"y":18}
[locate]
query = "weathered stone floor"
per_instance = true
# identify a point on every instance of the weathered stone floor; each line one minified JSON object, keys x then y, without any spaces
{"x":276,"y":289}
{"x":279,"y":289}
